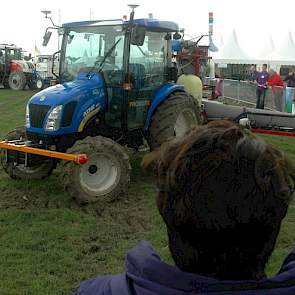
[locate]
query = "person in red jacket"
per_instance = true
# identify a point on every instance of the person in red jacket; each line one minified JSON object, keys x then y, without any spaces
{"x":276,"y":83}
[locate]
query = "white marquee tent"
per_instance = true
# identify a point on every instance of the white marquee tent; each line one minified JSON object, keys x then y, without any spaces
{"x":231,"y":53}
{"x":267,"y":49}
{"x":219,"y":41}
{"x":284,"y":55}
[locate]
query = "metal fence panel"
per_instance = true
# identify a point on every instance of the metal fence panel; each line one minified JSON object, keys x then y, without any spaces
{"x":246,"y":91}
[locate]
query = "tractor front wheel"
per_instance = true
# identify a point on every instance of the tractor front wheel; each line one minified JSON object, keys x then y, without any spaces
{"x":104,"y":177}
{"x":20,"y":171}
{"x":40,"y":84}
{"x":17,"y":81}
{"x":175,"y":117}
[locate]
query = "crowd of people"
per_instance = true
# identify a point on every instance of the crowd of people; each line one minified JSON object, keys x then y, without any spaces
{"x":271,"y":79}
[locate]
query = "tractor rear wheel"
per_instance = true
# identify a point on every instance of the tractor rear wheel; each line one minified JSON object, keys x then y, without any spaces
{"x":175,"y":117}
{"x":17,"y":81}
{"x":20,"y":171}
{"x":104,"y":177}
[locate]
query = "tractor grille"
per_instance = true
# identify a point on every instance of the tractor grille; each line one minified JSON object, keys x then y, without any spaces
{"x":68,"y":114}
{"x":38,"y":114}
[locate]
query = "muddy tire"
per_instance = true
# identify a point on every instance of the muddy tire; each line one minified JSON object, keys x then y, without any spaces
{"x":104,"y":177}
{"x":17,"y":81}
{"x":175,"y":117}
{"x":32,"y":85}
{"x":20,"y":171}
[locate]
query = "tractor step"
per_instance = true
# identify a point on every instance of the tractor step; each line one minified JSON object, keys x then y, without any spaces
{"x":27,"y":147}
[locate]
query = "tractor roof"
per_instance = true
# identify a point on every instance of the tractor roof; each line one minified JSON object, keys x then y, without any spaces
{"x":149,"y":24}
{"x":9,"y":46}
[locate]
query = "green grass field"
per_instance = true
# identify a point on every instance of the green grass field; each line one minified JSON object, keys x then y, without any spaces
{"x":48,"y":244}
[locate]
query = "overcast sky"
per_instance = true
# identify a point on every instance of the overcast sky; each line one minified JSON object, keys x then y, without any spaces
{"x":22,"y":22}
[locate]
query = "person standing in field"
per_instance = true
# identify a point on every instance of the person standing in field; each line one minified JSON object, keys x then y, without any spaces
{"x":290,"y":86}
{"x":261,"y":81}
{"x":290,"y":80}
{"x":253,"y":74}
{"x":276,"y":83}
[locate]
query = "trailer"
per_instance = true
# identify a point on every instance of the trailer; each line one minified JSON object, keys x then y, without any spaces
{"x":257,"y":120}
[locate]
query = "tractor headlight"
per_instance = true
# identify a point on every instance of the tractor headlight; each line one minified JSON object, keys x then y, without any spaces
{"x":27,"y":124}
{"x":54,"y":119}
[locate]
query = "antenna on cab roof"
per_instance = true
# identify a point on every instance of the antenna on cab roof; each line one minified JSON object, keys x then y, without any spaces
{"x":132,"y":6}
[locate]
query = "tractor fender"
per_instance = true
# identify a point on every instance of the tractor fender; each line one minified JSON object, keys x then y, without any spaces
{"x":160,"y":96}
{"x":15,"y":67}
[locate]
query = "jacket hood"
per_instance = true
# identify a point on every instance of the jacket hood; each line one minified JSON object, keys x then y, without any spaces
{"x":151,"y":276}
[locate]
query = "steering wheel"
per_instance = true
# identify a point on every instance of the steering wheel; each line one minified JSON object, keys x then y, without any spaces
{"x":107,"y":61}
{"x":67,"y":76}
{"x":71,"y":60}
{"x":116,"y":67}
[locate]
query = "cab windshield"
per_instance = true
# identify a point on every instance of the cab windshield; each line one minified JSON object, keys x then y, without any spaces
{"x":11,"y":53}
{"x":92,"y":49}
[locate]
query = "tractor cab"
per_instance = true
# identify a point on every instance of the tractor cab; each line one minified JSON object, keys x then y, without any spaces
{"x":10,"y":52}
{"x":133,"y":61}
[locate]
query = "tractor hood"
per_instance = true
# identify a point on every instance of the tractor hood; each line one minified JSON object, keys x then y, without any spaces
{"x":22,"y":66}
{"x":60,"y":94}
{"x":75,"y":99}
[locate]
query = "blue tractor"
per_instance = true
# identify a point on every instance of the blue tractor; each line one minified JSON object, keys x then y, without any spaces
{"x":117,"y":88}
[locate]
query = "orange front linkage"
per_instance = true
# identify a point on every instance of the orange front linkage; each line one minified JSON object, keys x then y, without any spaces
{"x":77,"y":158}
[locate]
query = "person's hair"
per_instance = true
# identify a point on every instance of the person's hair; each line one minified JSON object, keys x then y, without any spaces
{"x":222,"y":193}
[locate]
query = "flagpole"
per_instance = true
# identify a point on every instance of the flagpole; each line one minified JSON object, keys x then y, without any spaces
{"x":59,"y":24}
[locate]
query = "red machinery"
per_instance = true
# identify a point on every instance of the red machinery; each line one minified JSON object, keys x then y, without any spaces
{"x":193,"y":58}
{"x":15,"y":73}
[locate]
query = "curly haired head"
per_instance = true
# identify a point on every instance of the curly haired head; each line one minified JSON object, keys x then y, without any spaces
{"x":223,"y":194}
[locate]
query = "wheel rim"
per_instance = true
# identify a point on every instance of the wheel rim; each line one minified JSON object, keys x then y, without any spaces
{"x":16,"y":80}
{"x":100,"y":175}
{"x":185,"y":121}
{"x":39,"y":84}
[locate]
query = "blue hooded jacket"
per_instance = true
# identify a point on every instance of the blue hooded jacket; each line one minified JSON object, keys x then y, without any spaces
{"x":146,"y":274}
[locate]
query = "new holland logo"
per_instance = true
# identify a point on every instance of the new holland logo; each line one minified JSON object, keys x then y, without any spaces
{"x":42,"y":98}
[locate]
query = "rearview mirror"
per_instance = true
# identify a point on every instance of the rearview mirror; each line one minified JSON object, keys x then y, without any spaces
{"x":46,"y":38}
{"x":137,"y":36}
{"x":176,"y":36}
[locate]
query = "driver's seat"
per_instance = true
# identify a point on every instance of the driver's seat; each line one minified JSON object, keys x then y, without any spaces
{"x":137,"y":72}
